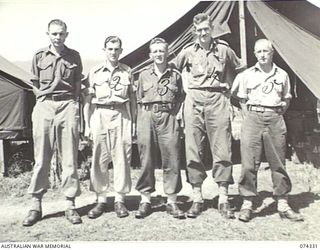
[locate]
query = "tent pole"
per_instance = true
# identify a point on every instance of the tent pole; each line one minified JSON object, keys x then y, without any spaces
{"x":3,"y":161}
{"x":242,"y":26}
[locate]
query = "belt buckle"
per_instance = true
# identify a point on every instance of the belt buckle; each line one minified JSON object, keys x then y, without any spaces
{"x":164,"y":107}
{"x":260,"y":109}
{"x":55,"y":98}
{"x":257,"y":108}
{"x":155,"y":107}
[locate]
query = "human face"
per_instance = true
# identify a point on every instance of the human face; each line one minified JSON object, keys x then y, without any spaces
{"x":113,"y":52}
{"x":159,"y":53}
{"x":263,"y":53}
{"x":203,"y":31}
{"x":57,"y":35}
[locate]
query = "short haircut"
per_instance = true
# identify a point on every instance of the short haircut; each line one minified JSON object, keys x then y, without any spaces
{"x":58,"y":22}
{"x":264,"y":40}
{"x":201,"y":17}
{"x":112,"y":39}
{"x":158,"y":40}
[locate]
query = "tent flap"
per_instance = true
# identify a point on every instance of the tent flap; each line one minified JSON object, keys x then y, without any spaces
{"x":181,"y":32}
{"x":297,"y":47}
{"x":12,"y":108}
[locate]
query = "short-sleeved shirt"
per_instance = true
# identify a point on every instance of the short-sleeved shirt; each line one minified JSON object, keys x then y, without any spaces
{"x":166,"y":88}
{"x":57,"y":74}
{"x":265,"y":89}
{"x":208,"y":68}
{"x":110,"y":86}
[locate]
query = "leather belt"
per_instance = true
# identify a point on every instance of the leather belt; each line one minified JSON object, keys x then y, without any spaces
{"x":215,"y":89}
{"x":59,"y":97}
{"x":158,"y":107}
{"x":262,"y":109}
{"x":109,"y":106}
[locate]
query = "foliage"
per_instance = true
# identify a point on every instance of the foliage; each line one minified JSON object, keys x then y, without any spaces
{"x":20,"y":159}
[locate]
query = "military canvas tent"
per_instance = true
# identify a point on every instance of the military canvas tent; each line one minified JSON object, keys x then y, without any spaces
{"x":292,"y":26}
{"x":16,"y":101}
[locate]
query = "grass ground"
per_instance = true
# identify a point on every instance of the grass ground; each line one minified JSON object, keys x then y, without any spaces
{"x":210,"y":226}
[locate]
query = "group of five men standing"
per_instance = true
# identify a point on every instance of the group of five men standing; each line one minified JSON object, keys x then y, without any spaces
{"x":195,"y":87}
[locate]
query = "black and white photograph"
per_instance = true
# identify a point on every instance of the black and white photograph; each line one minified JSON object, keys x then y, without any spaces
{"x":150,"y":124}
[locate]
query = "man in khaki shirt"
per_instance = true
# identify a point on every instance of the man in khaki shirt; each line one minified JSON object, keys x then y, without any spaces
{"x":109,"y":111}
{"x":208,"y":64}
{"x":159,"y":97}
{"x":264,"y":90}
{"x":55,"y":118}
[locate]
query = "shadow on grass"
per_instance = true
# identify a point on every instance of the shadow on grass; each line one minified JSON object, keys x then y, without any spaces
{"x":265,"y":204}
{"x":132,"y":203}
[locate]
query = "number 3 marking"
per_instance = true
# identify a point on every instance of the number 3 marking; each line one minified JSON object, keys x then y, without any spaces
{"x":163,"y":87}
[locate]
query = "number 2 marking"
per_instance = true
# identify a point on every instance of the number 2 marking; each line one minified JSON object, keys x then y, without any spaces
{"x":115,"y":83}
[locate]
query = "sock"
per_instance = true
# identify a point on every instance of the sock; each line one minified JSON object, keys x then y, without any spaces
{"x":119,"y":197}
{"x":247,"y":203}
{"x":172,"y":198}
{"x":283,"y":204}
{"x":102,"y":197}
{"x":36,"y":202}
{"x":70,"y":204}
{"x":145,"y":198}
{"x":223,"y":192}
{"x":197,"y":194}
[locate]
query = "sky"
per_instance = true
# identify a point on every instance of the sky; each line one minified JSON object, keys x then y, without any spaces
{"x":23,"y":23}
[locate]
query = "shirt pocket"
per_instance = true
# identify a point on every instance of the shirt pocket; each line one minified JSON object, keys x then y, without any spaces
{"x":252,"y":85}
{"x":197,"y":68}
{"x":172,"y":91}
{"x":120,"y":86}
{"x":278,"y":86}
{"x":45,"y":70}
{"x":68,"y":69}
{"x":146,"y":86}
{"x":102,"y":89}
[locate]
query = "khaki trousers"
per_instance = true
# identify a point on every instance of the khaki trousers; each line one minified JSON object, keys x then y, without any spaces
{"x":111,"y":131}
{"x":55,"y":122}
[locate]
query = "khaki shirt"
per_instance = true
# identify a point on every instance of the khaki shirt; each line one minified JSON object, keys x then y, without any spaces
{"x":210,"y":68}
{"x":166,"y":88}
{"x":265,"y":89}
{"x":56,"y":74}
{"x":110,"y":86}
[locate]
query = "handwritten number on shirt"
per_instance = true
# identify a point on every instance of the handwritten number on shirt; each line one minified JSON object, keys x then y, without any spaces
{"x":266,"y":89}
{"x":163,"y":87}
{"x":115,"y":83}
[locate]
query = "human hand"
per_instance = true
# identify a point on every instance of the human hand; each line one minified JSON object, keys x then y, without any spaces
{"x":134,"y":130}
{"x":88,"y":133}
{"x":35,"y":91}
{"x":282,"y":108}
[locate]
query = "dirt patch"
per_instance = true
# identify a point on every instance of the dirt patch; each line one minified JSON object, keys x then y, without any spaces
{"x":159,"y":226}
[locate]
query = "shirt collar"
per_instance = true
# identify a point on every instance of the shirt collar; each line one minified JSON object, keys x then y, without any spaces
{"x":106,"y":67}
{"x":213,"y":44}
{"x":274,"y":69}
{"x":168,"y":69}
{"x":65,"y":50}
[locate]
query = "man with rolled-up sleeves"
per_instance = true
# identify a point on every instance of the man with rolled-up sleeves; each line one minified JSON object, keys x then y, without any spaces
{"x":207,"y":63}
{"x":264,"y":90}
{"x":109,"y":112}
{"x":159,"y":97}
